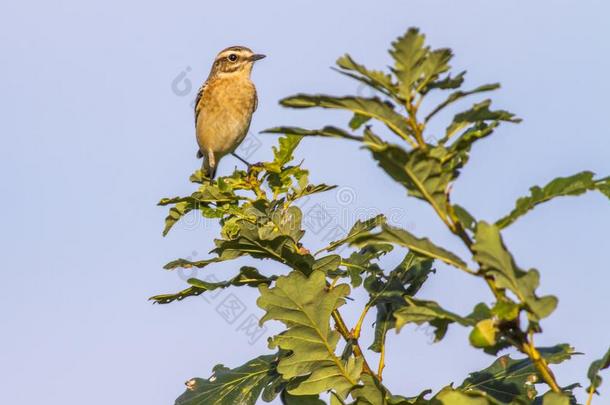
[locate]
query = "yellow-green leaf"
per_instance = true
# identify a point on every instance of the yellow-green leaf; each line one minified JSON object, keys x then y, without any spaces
{"x":573,"y":185}
{"x":304,"y":305}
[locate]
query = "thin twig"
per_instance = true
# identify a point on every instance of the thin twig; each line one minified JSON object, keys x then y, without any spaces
{"x":349,"y":337}
{"x":358,"y":327}
{"x":415,"y":127}
{"x":541,"y":365}
{"x":332,"y":285}
{"x":381,"y":359}
{"x":526,"y":345}
{"x":590,"y":397}
{"x":344,"y":331}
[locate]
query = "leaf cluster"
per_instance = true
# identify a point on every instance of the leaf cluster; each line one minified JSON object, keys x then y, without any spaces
{"x":316,"y":352}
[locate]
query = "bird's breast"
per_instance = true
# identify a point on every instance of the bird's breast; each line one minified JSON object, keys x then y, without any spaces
{"x":224,"y":118}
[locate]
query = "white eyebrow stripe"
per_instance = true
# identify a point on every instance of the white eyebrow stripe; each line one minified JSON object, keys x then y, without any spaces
{"x":224,"y":54}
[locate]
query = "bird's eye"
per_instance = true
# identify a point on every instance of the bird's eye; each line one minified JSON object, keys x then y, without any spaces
{"x":232,"y":57}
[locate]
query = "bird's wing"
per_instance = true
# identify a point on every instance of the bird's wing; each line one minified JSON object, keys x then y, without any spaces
{"x":198,"y":105}
{"x":255,"y":100}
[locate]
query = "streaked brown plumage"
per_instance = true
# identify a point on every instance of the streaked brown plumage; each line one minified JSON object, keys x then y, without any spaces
{"x":224,"y":106}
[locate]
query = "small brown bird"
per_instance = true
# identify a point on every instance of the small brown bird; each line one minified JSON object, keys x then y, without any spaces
{"x":224,"y":106}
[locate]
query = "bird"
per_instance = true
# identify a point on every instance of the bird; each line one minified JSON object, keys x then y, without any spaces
{"x":224,"y":106}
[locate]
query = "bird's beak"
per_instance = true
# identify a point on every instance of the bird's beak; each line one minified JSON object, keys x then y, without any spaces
{"x":257,"y":56}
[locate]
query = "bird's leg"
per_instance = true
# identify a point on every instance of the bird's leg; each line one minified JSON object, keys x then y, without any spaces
{"x":243,"y":160}
{"x":205,"y":170}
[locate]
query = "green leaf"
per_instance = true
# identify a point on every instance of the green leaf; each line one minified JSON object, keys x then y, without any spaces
{"x":595,"y":368}
{"x":436,"y":63}
{"x":555,"y":398}
{"x":304,"y":305}
{"x":175,"y":213}
{"x":418,"y":68}
{"x":241,"y":385}
{"x":376,"y":79}
{"x":362,"y":261}
{"x":460,"y":148}
{"x":464,"y":217}
{"x":370,"y":392}
{"x":413,"y":272}
{"x":309,"y":190}
{"x":358,"y":120}
{"x":495,"y":260}
{"x":359,"y":228}
{"x":266,"y":241}
{"x":283,"y":153}
{"x":562,"y":186}
{"x":423,"y":246}
{"x":288,"y":399}
{"x":409,"y":55}
{"x":279,"y":249}
{"x":187,"y":264}
{"x":481,"y":311}
{"x":420,"y":312}
{"x":604,"y":186}
{"x":448,"y":82}
{"x":207,"y":193}
{"x":479,"y":112}
{"x":335,"y":400}
{"x":458,"y":95}
{"x":508,"y":380}
{"x":505,"y":310}
{"x":247,"y":276}
{"x":327,"y":264}
{"x":422,"y":174}
{"x":179,"y":296}
{"x":418,"y":400}
{"x":328,"y":131}
{"x":388,"y":293}
{"x":202,"y":199}
{"x":450,"y":396}
{"x":287,"y":221}
{"x":291,"y":180}
{"x":366,"y":107}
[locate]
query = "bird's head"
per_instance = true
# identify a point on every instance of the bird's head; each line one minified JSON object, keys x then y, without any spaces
{"x":235,"y":60}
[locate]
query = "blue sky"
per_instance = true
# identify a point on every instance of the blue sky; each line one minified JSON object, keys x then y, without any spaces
{"x":97,"y":127}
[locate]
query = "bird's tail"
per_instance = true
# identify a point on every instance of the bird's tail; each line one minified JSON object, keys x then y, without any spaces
{"x":208,"y":167}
